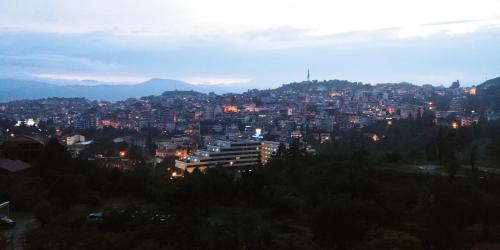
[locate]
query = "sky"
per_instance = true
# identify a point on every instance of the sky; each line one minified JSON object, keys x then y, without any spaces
{"x":258,"y":43}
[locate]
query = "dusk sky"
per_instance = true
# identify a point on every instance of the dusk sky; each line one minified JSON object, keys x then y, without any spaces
{"x":264,"y":43}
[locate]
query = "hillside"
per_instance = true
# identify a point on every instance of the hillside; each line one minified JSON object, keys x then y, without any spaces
{"x":12,"y":89}
{"x":489,"y":94}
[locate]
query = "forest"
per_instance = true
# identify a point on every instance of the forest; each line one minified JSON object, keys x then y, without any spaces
{"x":355,"y":193}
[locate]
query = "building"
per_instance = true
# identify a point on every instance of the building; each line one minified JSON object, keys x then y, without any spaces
{"x":225,"y":153}
{"x":328,"y":124}
{"x":21,"y":147}
{"x":325,"y":138}
{"x":70,"y":140}
{"x":296,"y":135}
{"x":268,"y":150}
{"x":472,"y":90}
{"x":457,"y":105}
{"x":86,"y":121}
{"x":76,"y":148}
{"x":13,"y":166}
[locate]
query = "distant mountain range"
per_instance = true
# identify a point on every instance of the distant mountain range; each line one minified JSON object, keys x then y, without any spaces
{"x":13,"y":89}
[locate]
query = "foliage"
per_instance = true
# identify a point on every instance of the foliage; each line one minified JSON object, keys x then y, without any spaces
{"x":339,"y":200}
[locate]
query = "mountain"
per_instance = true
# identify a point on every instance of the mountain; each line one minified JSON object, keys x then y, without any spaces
{"x":488,"y":94}
{"x":13,"y":89}
{"x":495,"y":82}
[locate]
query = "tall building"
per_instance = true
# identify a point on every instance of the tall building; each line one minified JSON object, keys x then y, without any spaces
{"x":457,"y":105}
{"x":86,"y":121}
{"x":327,"y":124}
{"x":268,"y":150}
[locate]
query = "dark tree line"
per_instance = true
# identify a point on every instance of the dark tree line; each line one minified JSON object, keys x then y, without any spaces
{"x":338,"y":199}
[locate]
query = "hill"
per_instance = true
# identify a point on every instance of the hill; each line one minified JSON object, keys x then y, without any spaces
{"x":13,"y":89}
{"x":489,"y":94}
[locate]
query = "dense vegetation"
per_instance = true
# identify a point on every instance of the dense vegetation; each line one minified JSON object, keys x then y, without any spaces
{"x":343,"y":198}
{"x":489,"y":92}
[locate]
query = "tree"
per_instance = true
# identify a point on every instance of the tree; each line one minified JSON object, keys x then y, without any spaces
{"x":3,"y":242}
{"x":494,"y":152}
{"x":473,"y":160}
{"x":440,"y":144}
{"x":43,"y":212}
{"x":392,"y":240}
{"x":54,"y":158}
{"x":294,"y":151}
{"x":136,"y":155}
{"x":281,"y":152}
{"x":336,"y":224}
{"x":452,"y":166}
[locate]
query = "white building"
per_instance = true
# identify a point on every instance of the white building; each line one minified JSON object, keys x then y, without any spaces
{"x":268,"y":149}
{"x":237,"y":154}
{"x":70,"y":140}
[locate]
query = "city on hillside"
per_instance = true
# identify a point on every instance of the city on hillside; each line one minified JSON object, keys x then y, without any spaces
{"x":249,"y":125}
{"x":195,"y":128}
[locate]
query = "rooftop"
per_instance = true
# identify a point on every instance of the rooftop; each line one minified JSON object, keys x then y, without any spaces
{"x":13,"y":165}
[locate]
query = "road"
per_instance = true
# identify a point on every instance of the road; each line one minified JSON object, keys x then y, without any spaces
{"x":23,"y":222}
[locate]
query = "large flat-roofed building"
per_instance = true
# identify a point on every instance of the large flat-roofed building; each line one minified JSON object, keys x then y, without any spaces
{"x":236,"y":154}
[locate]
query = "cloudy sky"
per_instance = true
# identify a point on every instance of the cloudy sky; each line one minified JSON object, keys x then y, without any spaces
{"x":263,"y":43}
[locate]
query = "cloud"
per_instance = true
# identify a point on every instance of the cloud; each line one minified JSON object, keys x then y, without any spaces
{"x":216,"y":80}
{"x":235,"y":19}
{"x":449,"y":27}
{"x":279,"y":34}
{"x":233,"y":41}
{"x":51,"y":61}
{"x":88,"y":77}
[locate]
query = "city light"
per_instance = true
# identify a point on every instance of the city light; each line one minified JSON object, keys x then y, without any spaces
{"x":335,"y":93}
{"x":29,"y":122}
{"x":258,"y":131}
{"x":230,"y":109}
{"x":258,"y":134}
{"x":188,"y":124}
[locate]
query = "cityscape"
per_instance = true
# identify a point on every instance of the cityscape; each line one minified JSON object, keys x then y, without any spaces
{"x":182,"y":124}
{"x":265,"y":124}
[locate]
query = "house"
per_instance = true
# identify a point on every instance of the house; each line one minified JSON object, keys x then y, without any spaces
{"x":21,"y":147}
